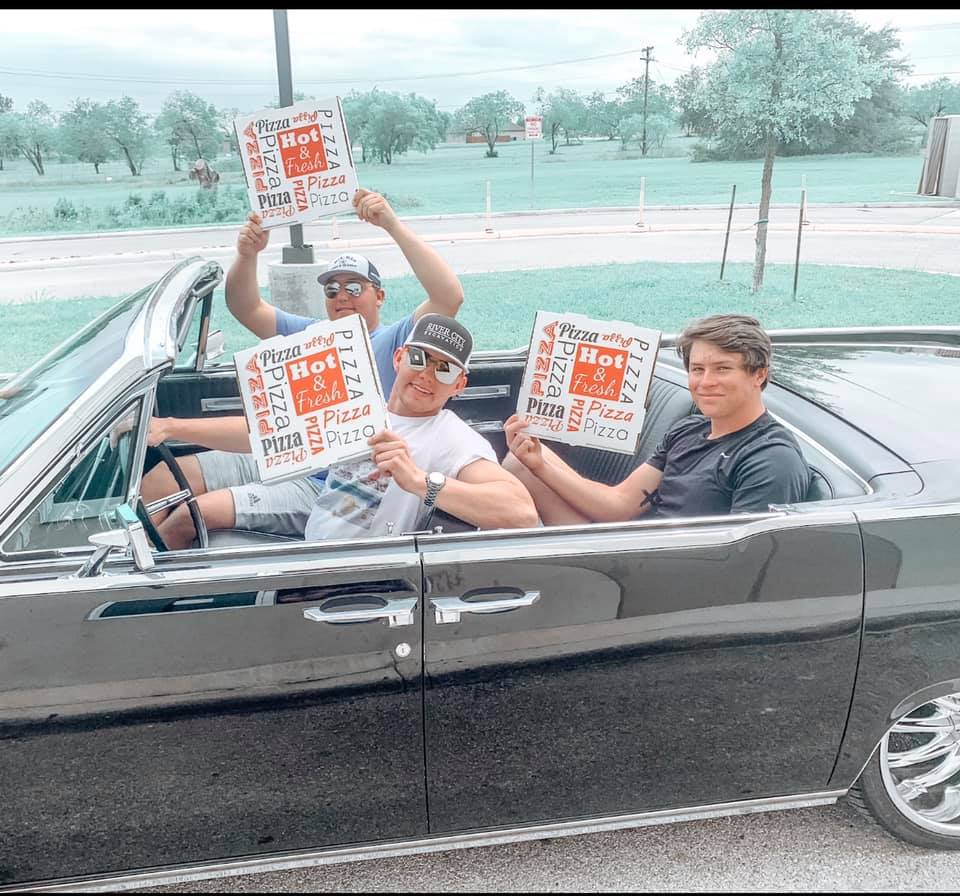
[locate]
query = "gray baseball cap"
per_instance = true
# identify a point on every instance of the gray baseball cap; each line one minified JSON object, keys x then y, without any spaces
{"x":351,"y":263}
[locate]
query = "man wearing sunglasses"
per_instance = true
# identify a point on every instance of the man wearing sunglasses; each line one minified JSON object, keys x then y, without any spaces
{"x":225,"y":479}
{"x":428,"y":457}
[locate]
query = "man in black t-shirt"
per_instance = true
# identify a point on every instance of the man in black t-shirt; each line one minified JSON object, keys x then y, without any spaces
{"x":734,"y":459}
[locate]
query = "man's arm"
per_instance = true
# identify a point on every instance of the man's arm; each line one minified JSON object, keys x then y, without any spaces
{"x":487,"y":496}
{"x":596,"y":501}
{"x":222,"y":433}
{"x":444,"y":291}
{"x":243,"y":293}
{"x":483,"y":493}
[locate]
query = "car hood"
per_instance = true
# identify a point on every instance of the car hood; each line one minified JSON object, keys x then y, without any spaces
{"x":904,"y":396}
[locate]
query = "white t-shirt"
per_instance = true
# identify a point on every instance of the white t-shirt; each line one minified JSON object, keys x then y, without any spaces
{"x":352,"y":505}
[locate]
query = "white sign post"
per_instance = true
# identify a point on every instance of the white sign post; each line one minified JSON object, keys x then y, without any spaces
{"x":311,"y":399}
{"x":586,"y":381}
{"x":297,"y":162}
{"x":534,"y":125}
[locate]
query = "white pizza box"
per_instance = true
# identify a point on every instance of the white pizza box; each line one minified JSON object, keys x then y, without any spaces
{"x":311,"y":399}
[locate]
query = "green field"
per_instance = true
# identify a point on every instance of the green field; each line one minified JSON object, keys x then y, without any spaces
{"x":500,"y":307}
{"x":452,"y":179}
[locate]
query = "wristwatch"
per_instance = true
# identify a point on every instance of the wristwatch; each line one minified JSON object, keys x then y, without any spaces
{"x":435,"y":482}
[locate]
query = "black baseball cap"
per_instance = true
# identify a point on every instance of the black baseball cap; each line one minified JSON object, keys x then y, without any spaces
{"x":443,"y":336}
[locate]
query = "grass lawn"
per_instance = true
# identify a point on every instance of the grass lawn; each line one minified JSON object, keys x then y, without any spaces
{"x":499,"y":307}
{"x":453,"y":179}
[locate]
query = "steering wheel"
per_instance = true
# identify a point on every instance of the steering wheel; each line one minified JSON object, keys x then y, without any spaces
{"x":167,"y":456}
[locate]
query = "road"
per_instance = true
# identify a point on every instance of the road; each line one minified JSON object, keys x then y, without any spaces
{"x":914,"y":237}
{"x":830,"y":849}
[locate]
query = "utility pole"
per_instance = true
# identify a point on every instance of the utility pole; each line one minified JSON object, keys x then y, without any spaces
{"x":646,"y":81}
{"x":296,"y":252}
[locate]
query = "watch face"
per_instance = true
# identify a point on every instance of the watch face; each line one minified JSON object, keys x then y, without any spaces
{"x":436,"y":479}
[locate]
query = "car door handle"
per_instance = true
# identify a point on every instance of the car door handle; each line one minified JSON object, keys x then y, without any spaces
{"x":449,"y":609}
{"x":397,"y":611}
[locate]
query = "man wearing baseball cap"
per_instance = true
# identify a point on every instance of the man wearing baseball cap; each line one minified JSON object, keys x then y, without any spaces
{"x":225,"y":481}
{"x":428,"y":456}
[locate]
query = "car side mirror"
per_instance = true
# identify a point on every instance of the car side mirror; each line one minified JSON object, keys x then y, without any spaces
{"x":131,"y":535}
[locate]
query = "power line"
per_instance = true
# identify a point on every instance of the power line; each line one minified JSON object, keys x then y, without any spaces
{"x":378,"y":79}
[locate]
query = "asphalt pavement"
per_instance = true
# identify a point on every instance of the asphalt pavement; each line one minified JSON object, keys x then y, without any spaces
{"x":921,"y":236}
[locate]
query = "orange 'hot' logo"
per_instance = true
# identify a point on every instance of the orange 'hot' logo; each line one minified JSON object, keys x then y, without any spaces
{"x":598,"y":371}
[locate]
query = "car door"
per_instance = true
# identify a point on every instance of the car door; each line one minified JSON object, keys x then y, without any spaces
{"x":214,"y":707}
{"x":597,"y":671}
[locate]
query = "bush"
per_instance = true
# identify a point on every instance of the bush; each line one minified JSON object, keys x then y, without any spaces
{"x":65,"y":210}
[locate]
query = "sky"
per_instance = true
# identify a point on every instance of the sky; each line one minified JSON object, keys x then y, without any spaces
{"x":228,"y":57}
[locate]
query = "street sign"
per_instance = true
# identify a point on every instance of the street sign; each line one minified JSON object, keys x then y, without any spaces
{"x":534,"y":125}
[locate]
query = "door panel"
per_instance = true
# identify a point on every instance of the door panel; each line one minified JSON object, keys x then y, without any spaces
{"x":192,"y":714}
{"x":187,"y":394}
{"x":660,"y":666}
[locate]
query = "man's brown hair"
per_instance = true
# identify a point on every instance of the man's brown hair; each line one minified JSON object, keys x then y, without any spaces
{"x":730,"y":333}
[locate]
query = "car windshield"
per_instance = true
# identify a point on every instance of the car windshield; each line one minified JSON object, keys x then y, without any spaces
{"x":33,"y":399}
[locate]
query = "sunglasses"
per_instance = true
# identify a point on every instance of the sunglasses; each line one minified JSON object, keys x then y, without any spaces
{"x":332,"y":289}
{"x":444,"y":371}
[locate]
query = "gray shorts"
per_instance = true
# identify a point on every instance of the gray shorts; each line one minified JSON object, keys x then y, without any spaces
{"x":280,"y":509}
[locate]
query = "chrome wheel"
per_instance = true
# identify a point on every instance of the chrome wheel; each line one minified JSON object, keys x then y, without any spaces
{"x":920,"y":766}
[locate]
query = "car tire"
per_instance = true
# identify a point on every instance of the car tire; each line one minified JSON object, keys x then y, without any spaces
{"x":911,"y":785}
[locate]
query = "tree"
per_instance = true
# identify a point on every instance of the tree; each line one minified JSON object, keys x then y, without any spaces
{"x":693,"y":118}
{"x":228,"y":133}
{"x":603,"y":116}
{"x":6,"y":105}
{"x":83,"y":135}
{"x":926,"y":101}
{"x":32,"y":133}
{"x":188,"y":123}
{"x":776,"y":72}
{"x":390,"y":124}
{"x":489,"y":115}
{"x":565,"y":111}
{"x":129,"y":128}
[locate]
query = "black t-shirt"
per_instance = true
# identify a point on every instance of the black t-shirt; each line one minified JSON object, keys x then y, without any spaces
{"x":741,"y":472}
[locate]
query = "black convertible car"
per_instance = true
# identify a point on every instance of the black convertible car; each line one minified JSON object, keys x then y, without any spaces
{"x":256,"y":703}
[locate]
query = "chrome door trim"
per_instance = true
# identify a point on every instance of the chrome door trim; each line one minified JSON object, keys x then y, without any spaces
{"x":395,"y":612}
{"x":450,"y":609}
{"x":883,"y":514}
{"x":474,"y":393}
{"x":440,"y":843}
{"x":595,"y":538}
{"x":213,"y":405}
{"x":227,"y":569}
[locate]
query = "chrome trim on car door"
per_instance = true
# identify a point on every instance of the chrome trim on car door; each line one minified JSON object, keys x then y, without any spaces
{"x":396,"y":612}
{"x":475,"y":393}
{"x":213,"y":405}
{"x":440,"y":843}
{"x":450,"y":609}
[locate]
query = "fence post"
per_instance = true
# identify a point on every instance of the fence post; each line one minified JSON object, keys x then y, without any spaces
{"x":796,"y":265}
{"x":488,"y":227}
{"x":643,"y":190}
{"x":726,"y":239}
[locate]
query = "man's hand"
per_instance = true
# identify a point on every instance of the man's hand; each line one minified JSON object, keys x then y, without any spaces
{"x":392,"y":457}
{"x":374,"y":209}
{"x":252,"y":239}
{"x":160,"y":431}
{"x":525,"y":448}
